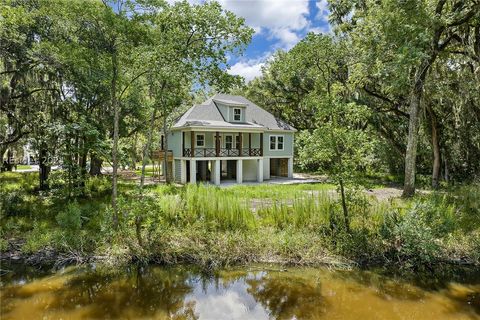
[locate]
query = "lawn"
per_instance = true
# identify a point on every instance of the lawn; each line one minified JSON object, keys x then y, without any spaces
{"x":23,"y":167}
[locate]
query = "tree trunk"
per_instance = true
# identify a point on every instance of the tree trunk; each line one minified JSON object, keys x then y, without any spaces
{"x":413,"y":124}
{"x":82,"y":162}
{"x":95,"y":165}
{"x":3,"y":149}
{"x":435,"y":147}
{"x":344,"y":206}
{"x":44,"y":168}
{"x":9,"y":162}
{"x":134,"y":153}
{"x":165,"y":147}
{"x":147,"y":147}
{"x":447,"y":174}
{"x":411,"y":154}
{"x":116,"y":116}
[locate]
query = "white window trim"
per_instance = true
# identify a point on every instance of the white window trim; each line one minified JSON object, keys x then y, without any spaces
{"x":196,"y":140}
{"x":276,"y":142}
{"x":239,"y":120}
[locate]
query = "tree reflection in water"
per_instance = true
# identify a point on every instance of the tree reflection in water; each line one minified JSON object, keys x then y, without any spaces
{"x":287,"y":296}
{"x":239,"y":293}
{"x":141,"y":293}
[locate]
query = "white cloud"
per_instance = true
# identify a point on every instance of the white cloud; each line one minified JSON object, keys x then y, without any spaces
{"x":322,"y":6}
{"x":287,"y":37}
{"x":251,"y":68}
{"x":247,"y":69}
{"x":322,"y":16}
{"x":280,"y":19}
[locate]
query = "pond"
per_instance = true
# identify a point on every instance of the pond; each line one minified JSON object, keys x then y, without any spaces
{"x":254,"y":292}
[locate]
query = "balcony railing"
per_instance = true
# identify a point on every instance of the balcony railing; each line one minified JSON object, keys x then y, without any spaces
{"x":222,"y":152}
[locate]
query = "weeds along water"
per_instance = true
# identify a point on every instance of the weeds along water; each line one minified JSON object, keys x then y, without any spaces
{"x":205,"y":224}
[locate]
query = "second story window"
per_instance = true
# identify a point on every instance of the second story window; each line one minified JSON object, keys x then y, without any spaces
{"x":237,"y":114}
{"x":273,"y":142}
{"x":276,"y":142}
{"x":280,"y":143}
{"x":200,"y":140}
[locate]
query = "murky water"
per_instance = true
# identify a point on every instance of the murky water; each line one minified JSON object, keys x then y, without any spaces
{"x":256,"y":292}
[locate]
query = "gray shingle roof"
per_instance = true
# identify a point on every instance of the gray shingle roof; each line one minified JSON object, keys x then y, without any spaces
{"x":208,"y":115}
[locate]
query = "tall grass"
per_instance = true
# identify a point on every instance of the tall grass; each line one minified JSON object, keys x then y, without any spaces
{"x":216,"y":208}
{"x":305,"y":211}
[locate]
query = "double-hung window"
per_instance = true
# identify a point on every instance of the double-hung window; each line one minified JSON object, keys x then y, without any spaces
{"x":200,"y":140}
{"x":237,"y":114}
{"x":280,"y":143}
{"x":276,"y":142}
{"x":229,"y":142}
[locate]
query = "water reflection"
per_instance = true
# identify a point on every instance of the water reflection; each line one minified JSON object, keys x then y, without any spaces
{"x":240,"y":293}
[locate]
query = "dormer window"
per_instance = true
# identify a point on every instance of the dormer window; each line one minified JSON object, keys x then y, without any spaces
{"x":237,"y":114}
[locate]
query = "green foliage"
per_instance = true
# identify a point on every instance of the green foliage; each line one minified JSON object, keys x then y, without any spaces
{"x":215,"y":208}
{"x":95,"y":186}
{"x":411,"y":240}
{"x":71,"y":218}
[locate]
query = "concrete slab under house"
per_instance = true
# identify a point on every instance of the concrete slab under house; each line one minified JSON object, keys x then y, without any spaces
{"x":228,"y":138}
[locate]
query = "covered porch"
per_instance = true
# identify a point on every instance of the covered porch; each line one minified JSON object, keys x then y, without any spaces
{"x":207,"y":144}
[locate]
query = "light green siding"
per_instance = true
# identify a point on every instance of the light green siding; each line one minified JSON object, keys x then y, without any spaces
{"x":287,"y":144}
{"x":175,"y":143}
{"x":178,"y":170}
{"x":223,"y":110}
{"x":228,"y":112}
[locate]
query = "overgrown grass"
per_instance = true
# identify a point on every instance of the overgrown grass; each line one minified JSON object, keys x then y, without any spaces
{"x":148,"y":170}
{"x":209,"y":225}
{"x":280,"y":191}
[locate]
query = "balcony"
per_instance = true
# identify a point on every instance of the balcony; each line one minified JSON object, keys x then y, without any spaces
{"x":221,"y":152}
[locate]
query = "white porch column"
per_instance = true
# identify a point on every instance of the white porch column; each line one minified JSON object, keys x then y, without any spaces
{"x":290,"y":167}
{"x":183,"y":171}
{"x":193,"y":171}
{"x":239,"y":171}
{"x":217,"y":172}
{"x":212,"y":171}
{"x":260,"y":170}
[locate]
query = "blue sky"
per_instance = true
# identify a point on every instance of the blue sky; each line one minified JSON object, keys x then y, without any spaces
{"x":278,"y":24}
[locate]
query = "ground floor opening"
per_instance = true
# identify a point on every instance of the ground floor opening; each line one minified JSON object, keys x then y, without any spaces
{"x":216,"y":170}
{"x":279,"y":167}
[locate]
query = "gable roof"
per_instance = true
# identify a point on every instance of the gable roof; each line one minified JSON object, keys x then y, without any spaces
{"x":207,"y":114}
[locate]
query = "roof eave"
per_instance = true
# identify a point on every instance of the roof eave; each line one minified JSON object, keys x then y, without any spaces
{"x":218,"y":128}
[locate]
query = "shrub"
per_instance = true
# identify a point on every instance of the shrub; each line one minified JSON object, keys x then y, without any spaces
{"x":409,"y":239}
{"x":71,"y":217}
{"x":97,"y":186}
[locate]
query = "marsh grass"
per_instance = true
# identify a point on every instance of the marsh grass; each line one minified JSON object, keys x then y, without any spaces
{"x":278,"y":191}
{"x":305,"y":211}
{"x":217,"y":208}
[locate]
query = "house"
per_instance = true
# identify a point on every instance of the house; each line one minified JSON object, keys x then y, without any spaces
{"x":229,"y":137}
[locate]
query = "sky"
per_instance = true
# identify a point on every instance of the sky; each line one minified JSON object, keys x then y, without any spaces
{"x":278,"y":24}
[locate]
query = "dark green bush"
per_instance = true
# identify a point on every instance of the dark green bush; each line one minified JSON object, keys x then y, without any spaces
{"x":71,"y":217}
